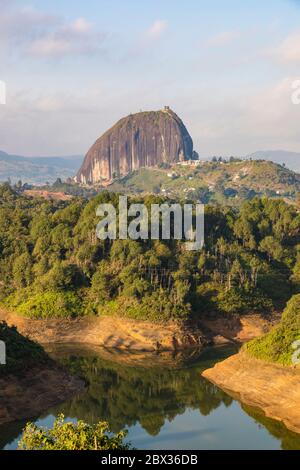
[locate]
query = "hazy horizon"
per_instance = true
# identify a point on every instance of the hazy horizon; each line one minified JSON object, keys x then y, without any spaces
{"x":72,"y":70}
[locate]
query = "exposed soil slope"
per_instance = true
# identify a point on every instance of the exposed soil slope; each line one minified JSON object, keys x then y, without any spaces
{"x":132,"y":335}
{"x":110,"y":332}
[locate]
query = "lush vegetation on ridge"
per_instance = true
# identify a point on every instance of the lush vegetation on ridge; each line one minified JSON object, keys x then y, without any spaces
{"x":277,"y":346}
{"x":53,"y":265}
{"x":220,"y":181}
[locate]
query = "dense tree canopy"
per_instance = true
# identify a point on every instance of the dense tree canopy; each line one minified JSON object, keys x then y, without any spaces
{"x":53,"y":265}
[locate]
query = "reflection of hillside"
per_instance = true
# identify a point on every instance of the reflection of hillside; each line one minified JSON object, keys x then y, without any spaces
{"x":289,"y":440}
{"x":165,"y":359}
{"x":154,"y":391}
{"x":125,"y":395}
{"x":9,"y":432}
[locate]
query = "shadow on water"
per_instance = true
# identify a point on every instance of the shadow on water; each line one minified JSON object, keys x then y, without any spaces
{"x":147,"y":391}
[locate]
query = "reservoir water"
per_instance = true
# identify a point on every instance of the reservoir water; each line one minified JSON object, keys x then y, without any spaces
{"x":162,"y":401}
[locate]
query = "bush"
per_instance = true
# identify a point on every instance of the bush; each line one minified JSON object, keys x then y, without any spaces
{"x":72,"y":436}
{"x":21,"y":352}
{"x":241,"y":301}
{"x":276,"y":346}
{"x":52,"y":305}
{"x":156,"y":307}
{"x":214,"y":298}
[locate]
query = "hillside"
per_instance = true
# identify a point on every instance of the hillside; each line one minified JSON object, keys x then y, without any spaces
{"x":277,"y":345}
{"x":37,"y":170}
{"x":290,"y":159}
{"x":57,"y":268}
{"x":231,"y":182}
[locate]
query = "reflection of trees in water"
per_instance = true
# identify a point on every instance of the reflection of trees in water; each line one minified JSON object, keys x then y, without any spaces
{"x":289,"y":440}
{"x":125,"y":395}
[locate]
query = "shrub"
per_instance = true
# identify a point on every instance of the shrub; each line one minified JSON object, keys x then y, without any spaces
{"x":52,"y":305}
{"x":276,"y":346}
{"x":21,"y":352}
{"x":72,"y":436}
{"x":214,"y":298}
{"x":238,"y":300}
{"x":156,"y":307}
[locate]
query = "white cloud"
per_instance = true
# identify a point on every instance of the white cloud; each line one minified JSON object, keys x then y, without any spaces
{"x":21,"y":25}
{"x":79,"y":26}
{"x":289,"y":49}
{"x":49,"y":46}
{"x":222,"y":39}
{"x":49,"y":104}
{"x":157,"y":29}
{"x":35,"y":124}
{"x":78,"y":37}
{"x":41,"y":35}
{"x":240,"y":121}
{"x":235,"y":122}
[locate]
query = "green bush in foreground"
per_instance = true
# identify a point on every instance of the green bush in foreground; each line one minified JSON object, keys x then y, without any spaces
{"x":276,"y":346}
{"x":72,"y":436}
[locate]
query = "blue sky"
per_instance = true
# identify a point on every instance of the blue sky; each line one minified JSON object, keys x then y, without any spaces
{"x":72,"y":68}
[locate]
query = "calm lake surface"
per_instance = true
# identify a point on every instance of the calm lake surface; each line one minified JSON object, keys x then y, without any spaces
{"x":162,"y":400}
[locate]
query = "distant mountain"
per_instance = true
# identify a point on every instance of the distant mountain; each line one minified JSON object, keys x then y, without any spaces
{"x":37,"y":170}
{"x":290,"y":159}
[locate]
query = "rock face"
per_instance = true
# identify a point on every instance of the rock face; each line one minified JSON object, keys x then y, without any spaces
{"x":110,"y":332}
{"x":274,"y":389}
{"x":144,"y":139}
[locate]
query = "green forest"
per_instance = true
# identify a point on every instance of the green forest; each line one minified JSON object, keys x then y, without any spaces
{"x":53,"y":266}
